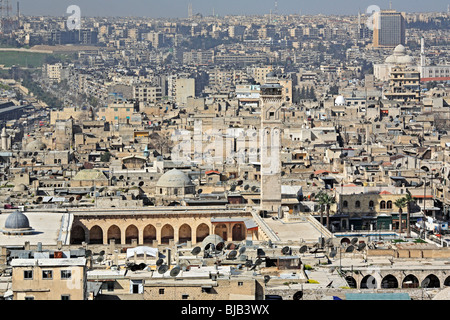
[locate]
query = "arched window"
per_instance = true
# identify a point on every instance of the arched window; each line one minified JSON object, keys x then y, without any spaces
{"x":345,"y":204}
{"x":371,"y":204}
{"x":383,"y":205}
{"x":357,"y":204}
{"x":389,"y":204}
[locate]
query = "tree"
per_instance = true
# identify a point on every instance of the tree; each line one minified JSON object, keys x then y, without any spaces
{"x":325,"y":201}
{"x":105,"y":157}
{"x":408,"y":200}
{"x":400,"y":204}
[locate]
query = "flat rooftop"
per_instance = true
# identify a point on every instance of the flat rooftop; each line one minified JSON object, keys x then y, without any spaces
{"x":47,"y":229}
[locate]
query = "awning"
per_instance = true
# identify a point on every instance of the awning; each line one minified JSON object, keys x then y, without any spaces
{"x":141,"y":250}
{"x":250,"y":224}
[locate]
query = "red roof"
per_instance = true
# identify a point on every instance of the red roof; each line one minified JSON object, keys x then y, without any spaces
{"x":212,"y":172}
{"x":321,"y":171}
{"x":385,"y":192}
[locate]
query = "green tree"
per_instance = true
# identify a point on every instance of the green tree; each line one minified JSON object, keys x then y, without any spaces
{"x":105,"y":157}
{"x":325,"y":201}
{"x":409,"y":200}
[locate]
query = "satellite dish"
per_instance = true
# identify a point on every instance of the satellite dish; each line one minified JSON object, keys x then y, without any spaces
{"x":102,"y":253}
{"x":232,"y":255}
{"x":175,"y":271}
{"x":230,"y":246}
{"x":266,"y":278}
{"x":350,"y":249}
{"x":361,"y":246}
{"x":220,"y":246}
{"x":163,"y":269}
{"x":303,"y":249}
{"x":354,"y":241}
{"x":159,"y":262}
{"x":258,"y":262}
{"x":426,"y":282}
{"x":196,"y":251}
{"x":248,"y":263}
{"x":285,"y":250}
{"x":333,"y":253}
{"x":242,"y":250}
{"x":329,"y":242}
{"x":142,"y":266}
{"x":88,"y":253}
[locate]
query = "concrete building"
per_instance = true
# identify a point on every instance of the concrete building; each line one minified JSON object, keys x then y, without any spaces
{"x":49,"y":279}
{"x":389,"y":28}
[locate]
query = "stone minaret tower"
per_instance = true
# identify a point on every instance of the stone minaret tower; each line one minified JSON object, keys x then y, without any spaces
{"x":271,"y":100}
{"x":5,"y":140}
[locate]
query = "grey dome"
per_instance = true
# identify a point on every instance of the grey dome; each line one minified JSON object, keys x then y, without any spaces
{"x":17,"y":220}
{"x":35,"y":145}
{"x":174,"y":179}
{"x":212,"y":238}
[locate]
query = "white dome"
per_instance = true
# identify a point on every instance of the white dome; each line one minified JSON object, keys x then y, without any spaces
{"x":340,"y":101}
{"x":174,"y":179}
{"x":399,"y":56}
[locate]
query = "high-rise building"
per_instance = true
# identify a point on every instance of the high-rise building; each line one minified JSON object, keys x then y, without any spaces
{"x":389,"y":28}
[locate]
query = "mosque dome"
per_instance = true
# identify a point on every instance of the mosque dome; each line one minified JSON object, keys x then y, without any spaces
{"x":212,"y":238}
{"x":20,"y":188}
{"x":340,"y":101}
{"x":35,"y":145}
{"x":399,"y":56}
{"x":17,"y":223}
{"x":174,"y":179}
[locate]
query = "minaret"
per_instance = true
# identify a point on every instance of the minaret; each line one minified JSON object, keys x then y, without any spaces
{"x":4,"y":137}
{"x":270,"y":146}
{"x":423,"y":61}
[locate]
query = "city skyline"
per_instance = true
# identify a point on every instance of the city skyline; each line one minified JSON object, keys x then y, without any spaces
{"x":179,"y":8}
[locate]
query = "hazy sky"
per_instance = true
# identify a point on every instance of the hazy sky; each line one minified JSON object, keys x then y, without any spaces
{"x":178,"y":8}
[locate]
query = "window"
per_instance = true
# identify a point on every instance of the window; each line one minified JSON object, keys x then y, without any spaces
{"x":161,"y":291}
{"x":345,"y":204}
{"x":47,"y":274}
{"x":28,"y":274}
{"x":357,"y":204}
{"x":65,"y":297}
{"x":110,"y":286}
{"x":371,"y":204}
{"x":184,"y":296}
{"x":29,"y":298}
{"x":383,"y":205}
{"x":66,"y":274}
{"x":240,"y":283}
{"x":389,"y":204}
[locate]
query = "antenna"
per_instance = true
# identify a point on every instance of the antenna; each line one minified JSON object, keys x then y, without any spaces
{"x":190,"y":10}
